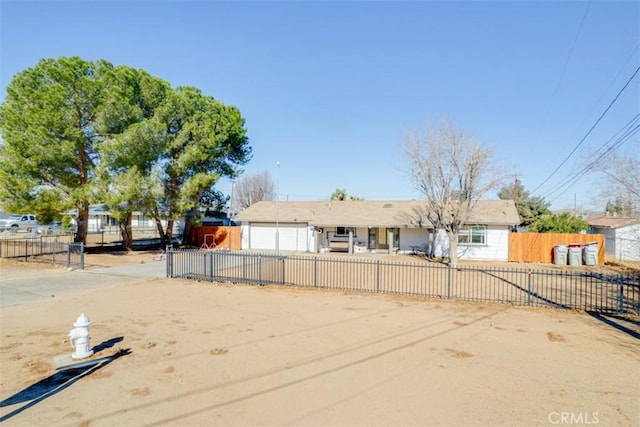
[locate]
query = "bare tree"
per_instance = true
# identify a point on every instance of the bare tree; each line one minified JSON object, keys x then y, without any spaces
{"x":252,"y":189}
{"x":621,"y":172}
{"x":453,"y":171}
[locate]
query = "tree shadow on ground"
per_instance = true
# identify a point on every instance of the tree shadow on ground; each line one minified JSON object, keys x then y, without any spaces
{"x":62,"y":379}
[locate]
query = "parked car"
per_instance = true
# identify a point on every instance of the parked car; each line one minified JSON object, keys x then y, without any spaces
{"x":18,"y":222}
{"x":51,"y":228}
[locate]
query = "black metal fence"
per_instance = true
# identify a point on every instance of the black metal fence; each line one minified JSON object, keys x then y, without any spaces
{"x":54,"y":249}
{"x":607,"y":293}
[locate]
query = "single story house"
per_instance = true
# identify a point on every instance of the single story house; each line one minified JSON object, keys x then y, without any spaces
{"x":374,"y":226}
{"x":101,"y":220}
{"x":621,"y":236}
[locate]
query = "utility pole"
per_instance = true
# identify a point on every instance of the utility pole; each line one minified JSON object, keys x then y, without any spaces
{"x":230,"y":215}
{"x":515,"y":190}
{"x":277,"y":216}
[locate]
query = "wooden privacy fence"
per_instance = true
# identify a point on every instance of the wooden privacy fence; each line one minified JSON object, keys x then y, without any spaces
{"x":223,"y":236}
{"x":538,"y":247}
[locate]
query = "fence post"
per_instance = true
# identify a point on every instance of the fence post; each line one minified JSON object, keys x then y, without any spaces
{"x":378,"y":276}
{"x":448,"y":281}
{"x":81,"y":256}
{"x":168,"y":266}
{"x":204,"y":263}
{"x":244,"y":266}
{"x":26,"y":250}
{"x":529,"y":287}
{"x":283,"y":270}
{"x":68,"y":256}
{"x":212,"y":264}
{"x":621,"y":294}
{"x":259,"y":270}
{"x":315,"y":271}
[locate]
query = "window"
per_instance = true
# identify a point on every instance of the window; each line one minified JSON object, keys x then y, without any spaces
{"x":143,"y":221}
{"x":472,"y":235}
{"x":379,"y":238}
{"x":344,"y":231}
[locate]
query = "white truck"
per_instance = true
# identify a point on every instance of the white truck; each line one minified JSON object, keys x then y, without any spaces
{"x":18,"y":222}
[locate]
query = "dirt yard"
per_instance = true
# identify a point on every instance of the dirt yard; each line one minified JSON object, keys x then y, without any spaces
{"x":186,"y":353}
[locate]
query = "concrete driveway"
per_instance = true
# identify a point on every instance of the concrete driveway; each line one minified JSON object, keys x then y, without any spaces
{"x":23,"y":283}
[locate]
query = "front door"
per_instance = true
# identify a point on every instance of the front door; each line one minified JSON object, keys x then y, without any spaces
{"x":373,"y":240}
{"x":379,"y":238}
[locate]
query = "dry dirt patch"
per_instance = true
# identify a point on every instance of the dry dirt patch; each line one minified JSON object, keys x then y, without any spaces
{"x":207,"y":354}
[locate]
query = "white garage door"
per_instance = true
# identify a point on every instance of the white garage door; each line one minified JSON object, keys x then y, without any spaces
{"x":293,"y":237}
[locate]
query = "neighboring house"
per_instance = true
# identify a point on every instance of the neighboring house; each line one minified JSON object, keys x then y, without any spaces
{"x":374,"y":226}
{"x":100,"y":220}
{"x":621,"y":236}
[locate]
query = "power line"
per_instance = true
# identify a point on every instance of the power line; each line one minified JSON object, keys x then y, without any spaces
{"x":631,"y":56}
{"x":629,"y":130}
{"x":613,"y":80}
{"x":584,"y":172}
{"x":589,"y":132}
{"x":564,"y":69}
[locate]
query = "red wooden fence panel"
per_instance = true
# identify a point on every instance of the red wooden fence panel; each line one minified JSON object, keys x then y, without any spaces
{"x":223,"y":236}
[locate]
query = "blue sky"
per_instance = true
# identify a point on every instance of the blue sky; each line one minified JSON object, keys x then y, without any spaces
{"x":331,"y":89}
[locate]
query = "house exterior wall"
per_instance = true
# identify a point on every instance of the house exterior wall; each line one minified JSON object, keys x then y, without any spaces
{"x":103,"y":221}
{"x":301,"y":238}
{"x":139,"y":220}
{"x":496,"y":247}
{"x":620,"y":244}
{"x":609,"y":240}
{"x":413,"y":237}
{"x":627,"y":243}
{"x":95,"y":223}
{"x":361,"y":235}
{"x":292,"y":236}
{"x":245,"y":242}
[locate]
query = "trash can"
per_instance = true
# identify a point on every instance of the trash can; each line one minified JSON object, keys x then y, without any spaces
{"x":590,"y":253}
{"x":575,"y":254}
{"x":560,"y":255}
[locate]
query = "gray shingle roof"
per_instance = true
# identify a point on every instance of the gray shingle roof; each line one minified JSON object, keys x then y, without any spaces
{"x":375,"y":213}
{"x":613,"y":221}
